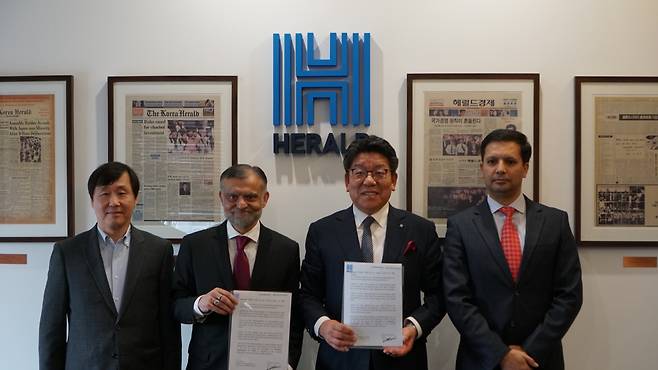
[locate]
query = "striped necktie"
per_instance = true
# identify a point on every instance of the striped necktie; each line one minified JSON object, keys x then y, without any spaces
{"x":366,"y":240}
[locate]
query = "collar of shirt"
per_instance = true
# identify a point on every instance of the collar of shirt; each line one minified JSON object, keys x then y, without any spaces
{"x":125,"y":238}
{"x":251,"y":247}
{"x":518,"y":204}
{"x":115,"y":257}
{"x":519,"y":217}
{"x":252,"y":234}
{"x":380,"y":216}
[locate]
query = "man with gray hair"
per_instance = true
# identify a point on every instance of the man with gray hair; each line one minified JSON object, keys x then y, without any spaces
{"x":240,"y":253}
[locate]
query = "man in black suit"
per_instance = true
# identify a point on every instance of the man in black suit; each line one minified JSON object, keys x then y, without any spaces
{"x":241,"y":253}
{"x":395,"y":236}
{"x":511,"y":273}
{"x":112,"y":286}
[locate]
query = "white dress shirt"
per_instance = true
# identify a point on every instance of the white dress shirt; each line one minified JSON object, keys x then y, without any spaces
{"x":251,"y":247}
{"x":377,"y":230}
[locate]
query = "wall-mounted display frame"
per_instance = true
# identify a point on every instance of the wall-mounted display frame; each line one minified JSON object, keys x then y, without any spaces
{"x":616,"y":161}
{"x":36,"y":158}
{"x":178,"y":133}
{"x":448,"y":114}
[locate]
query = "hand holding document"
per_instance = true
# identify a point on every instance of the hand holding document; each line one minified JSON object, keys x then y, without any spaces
{"x":372,"y":303}
{"x":260,"y":330}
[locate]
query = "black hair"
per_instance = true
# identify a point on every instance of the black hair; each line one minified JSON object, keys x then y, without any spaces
{"x":370,"y":144}
{"x":509,"y":136}
{"x":110,"y":172}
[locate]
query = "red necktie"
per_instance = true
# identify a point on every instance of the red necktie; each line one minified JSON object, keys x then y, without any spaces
{"x":241,"y":264}
{"x":509,"y":239}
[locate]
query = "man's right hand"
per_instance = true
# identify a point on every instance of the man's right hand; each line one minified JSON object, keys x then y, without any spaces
{"x":340,"y":337}
{"x":517,"y":359}
{"x":219,"y":301}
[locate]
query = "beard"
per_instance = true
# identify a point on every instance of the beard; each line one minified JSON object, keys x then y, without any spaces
{"x":243,"y":220}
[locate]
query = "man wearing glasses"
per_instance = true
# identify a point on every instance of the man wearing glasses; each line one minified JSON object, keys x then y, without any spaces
{"x":371,"y":230}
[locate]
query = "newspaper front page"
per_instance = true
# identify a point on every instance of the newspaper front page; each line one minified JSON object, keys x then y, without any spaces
{"x":455,"y":124}
{"x":170,"y":143}
{"x":27,"y":159}
{"x":626,"y":168}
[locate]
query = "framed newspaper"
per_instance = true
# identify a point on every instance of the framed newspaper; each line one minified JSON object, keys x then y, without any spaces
{"x":616,"y":161}
{"x":178,"y":133}
{"x":36,"y":158}
{"x":448,"y":115}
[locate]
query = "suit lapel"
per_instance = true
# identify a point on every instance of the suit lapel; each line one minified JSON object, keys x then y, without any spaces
{"x":263,"y":257}
{"x":347,"y":236}
{"x":394,"y":240}
{"x":219,"y":248}
{"x":534,"y":221}
{"x":136,"y":251}
{"x":95,"y":264}
{"x":484,"y":223}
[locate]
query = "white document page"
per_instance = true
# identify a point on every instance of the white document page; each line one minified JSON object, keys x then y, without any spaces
{"x":372,"y":303}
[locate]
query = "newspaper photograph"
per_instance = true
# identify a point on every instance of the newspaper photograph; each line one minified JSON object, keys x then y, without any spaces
{"x":626,"y":165}
{"x":27,"y":159}
{"x":170,"y":143}
{"x":455,"y":124}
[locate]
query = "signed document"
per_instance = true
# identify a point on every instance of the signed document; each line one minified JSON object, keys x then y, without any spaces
{"x":260,"y":331}
{"x":372,"y":303}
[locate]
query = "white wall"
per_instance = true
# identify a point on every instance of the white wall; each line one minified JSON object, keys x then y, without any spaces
{"x":559,"y":39}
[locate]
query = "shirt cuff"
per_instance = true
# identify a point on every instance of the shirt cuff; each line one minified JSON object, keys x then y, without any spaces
{"x":419,"y":330}
{"x":316,"y":327}
{"x":197,"y":311}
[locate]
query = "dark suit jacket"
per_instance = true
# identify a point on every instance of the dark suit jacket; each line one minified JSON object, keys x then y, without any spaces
{"x":488,"y":309}
{"x":203,"y":264}
{"x":333,"y":240}
{"x":142,"y":335}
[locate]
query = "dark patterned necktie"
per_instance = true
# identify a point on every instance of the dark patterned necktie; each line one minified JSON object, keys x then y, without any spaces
{"x":241,"y":264}
{"x":366,"y":240}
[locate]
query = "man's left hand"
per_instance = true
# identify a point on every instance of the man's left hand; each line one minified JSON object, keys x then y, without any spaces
{"x":408,"y":337}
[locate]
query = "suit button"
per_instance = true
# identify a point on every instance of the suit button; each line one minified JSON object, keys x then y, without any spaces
{"x":512,"y":324}
{"x":117,"y":328}
{"x":115,"y":355}
{"x":517,"y":293}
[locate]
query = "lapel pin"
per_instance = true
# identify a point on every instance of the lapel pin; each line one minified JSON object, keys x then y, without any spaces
{"x":401,"y":226}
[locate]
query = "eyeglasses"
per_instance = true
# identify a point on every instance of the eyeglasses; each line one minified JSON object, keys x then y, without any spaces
{"x":359,"y":174}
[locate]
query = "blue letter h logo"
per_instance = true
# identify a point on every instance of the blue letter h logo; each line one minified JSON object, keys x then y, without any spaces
{"x":343,"y":79}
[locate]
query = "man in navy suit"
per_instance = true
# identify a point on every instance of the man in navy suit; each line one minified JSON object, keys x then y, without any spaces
{"x":394,"y":236}
{"x":511,"y":273}
{"x":240,"y":253}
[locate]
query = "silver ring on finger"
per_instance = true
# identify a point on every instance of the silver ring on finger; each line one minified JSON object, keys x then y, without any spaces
{"x":215,"y":302}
